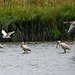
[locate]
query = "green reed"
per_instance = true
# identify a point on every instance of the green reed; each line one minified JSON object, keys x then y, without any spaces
{"x":32,"y":22}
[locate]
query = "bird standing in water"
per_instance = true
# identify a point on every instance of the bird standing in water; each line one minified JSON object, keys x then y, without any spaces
{"x":63,"y":45}
{"x":25,"y":48}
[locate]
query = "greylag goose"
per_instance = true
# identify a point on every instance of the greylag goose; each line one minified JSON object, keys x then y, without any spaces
{"x":63,"y":45}
{"x":7,"y":35}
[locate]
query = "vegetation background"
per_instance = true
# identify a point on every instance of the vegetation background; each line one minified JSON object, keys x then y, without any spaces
{"x":37,"y":20}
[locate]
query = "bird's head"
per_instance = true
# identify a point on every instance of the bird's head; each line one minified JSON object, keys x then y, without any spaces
{"x":58,"y":43}
{"x":22,"y":44}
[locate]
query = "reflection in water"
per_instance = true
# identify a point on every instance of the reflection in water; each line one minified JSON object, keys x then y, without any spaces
{"x":26,"y":52}
{"x":73,"y":58}
{"x":44,"y":59}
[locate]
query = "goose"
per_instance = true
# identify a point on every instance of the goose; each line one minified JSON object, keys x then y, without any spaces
{"x":7,"y":35}
{"x":72,"y":26}
{"x":24,"y":47}
{"x":63,"y":45}
{"x":1,"y":46}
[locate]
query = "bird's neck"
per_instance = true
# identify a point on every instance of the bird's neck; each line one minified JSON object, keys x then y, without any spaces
{"x":60,"y":44}
{"x":70,"y":22}
{"x":22,"y":45}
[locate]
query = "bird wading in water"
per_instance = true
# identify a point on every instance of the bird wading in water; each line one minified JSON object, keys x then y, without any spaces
{"x":63,"y":45}
{"x":25,"y":48}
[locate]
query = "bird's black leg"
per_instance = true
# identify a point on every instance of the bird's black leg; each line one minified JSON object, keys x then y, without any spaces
{"x":25,"y":52}
{"x":64,"y":51}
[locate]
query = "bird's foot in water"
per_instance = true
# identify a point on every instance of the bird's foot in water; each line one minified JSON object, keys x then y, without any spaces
{"x":26,"y":52}
{"x":63,"y":53}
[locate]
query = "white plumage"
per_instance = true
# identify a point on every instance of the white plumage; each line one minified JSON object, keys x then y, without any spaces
{"x":7,"y":35}
{"x":4,"y":33}
{"x":64,"y":46}
{"x":1,"y":46}
{"x":24,"y":47}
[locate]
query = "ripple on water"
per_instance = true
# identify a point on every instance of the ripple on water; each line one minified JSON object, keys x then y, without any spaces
{"x":44,"y":59}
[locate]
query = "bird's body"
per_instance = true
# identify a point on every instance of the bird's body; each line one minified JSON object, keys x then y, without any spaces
{"x":64,"y":46}
{"x":1,"y":46}
{"x":7,"y":35}
{"x":24,"y":47}
{"x":72,"y":26}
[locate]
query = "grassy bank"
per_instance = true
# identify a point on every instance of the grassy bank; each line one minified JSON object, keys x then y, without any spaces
{"x":36,"y":20}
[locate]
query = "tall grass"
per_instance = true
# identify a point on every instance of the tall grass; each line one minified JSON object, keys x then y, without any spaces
{"x":36,"y":19}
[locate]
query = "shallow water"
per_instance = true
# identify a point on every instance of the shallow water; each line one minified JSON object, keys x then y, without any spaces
{"x":44,"y":59}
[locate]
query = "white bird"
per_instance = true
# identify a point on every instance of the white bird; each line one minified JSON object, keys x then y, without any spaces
{"x":1,"y":46}
{"x":72,"y":26}
{"x":24,"y":47}
{"x":63,"y":45}
{"x":7,"y":35}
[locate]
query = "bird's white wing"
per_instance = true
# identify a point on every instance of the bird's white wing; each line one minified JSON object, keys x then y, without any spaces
{"x":10,"y":33}
{"x":4,"y":33}
{"x":65,"y":45}
{"x":25,"y":46}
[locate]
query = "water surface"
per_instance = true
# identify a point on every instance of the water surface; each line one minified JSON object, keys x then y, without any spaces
{"x":44,"y":59}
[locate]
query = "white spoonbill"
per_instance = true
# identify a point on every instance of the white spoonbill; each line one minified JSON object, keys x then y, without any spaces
{"x":63,"y":45}
{"x":24,"y":47}
{"x":7,"y":35}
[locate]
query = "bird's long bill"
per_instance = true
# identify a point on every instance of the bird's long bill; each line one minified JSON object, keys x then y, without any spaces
{"x":71,"y":29}
{"x":57,"y":45}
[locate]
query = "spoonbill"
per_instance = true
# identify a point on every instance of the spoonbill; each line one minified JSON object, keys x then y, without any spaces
{"x":72,"y":26}
{"x":63,"y":45}
{"x":24,"y":47}
{"x":7,"y":35}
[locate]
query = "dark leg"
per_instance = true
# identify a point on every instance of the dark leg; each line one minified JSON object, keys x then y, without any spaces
{"x":64,"y":51}
{"x":25,"y":52}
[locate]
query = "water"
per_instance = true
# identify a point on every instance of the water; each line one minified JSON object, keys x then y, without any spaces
{"x":44,"y":59}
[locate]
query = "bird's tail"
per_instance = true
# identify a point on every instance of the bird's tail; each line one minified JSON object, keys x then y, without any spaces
{"x":69,"y":48}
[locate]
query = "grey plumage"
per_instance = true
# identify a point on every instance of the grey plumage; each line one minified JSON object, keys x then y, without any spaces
{"x":72,"y":26}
